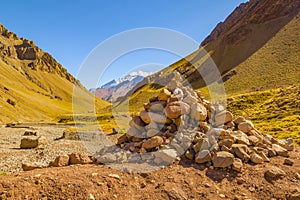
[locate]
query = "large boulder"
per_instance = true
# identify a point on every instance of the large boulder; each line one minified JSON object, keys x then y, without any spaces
{"x":32,"y":142}
{"x":223,"y":159}
{"x":175,"y":109}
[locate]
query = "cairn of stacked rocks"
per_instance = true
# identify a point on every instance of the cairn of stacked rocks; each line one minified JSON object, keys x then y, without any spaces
{"x":182,"y":119}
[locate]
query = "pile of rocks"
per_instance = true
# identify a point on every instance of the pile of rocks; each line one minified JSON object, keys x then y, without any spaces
{"x":182,"y":119}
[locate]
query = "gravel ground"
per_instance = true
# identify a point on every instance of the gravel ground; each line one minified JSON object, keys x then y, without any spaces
{"x":12,"y":157}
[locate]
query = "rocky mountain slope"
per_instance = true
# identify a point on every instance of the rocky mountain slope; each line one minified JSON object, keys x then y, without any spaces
{"x":34,"y":86}
{"x":256,"y":38}
{"x":117,"y":88}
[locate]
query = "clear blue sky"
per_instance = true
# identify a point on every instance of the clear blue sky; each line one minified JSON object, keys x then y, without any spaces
{"x":70,"y":29}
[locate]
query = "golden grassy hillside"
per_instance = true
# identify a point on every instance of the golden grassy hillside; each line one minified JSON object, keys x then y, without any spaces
{"x":33,"y":86}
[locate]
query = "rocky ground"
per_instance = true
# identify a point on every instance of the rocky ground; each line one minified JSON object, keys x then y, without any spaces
{"x":12,"y":157}
{"x":182,"y":180}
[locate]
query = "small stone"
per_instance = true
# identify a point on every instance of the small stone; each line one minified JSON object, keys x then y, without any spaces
{"x":240,"y":137}
{"x":203,"y":144}
{"x":207,"y":185}
{"x":166,"y":155}
{"x":256,"y":158}
{"x":176,"y":109}
{"x":60,"y":161}
{"x":275,"y":173}
{"x":223,"y":118}
{"x":203,"y":156}
{"x":76,"y":158}
{"x":198,"y":111}
{"x":164,"y":95}
{"x":288,"y":144}
{"x":271,"y":152}
{"x":237,"y":165}
{"x":190,"y":154}
{"x":116,"y":176}
{"x":91,"y":197}
{"x":280,"y":150}
{"x":253,"y":140}
{"x":246,"y":126}
{"x":288,"y":161}
{"x":147,"y":117}
{"x":30,"y":133}
{"x":153,"y":142}
{"x":240,"y":151}
{"x":222,"y":196}
{"x":239,"y":120}
{"x":32,"y":166}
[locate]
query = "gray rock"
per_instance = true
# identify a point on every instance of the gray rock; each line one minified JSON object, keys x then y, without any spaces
{"x":166,"y":155}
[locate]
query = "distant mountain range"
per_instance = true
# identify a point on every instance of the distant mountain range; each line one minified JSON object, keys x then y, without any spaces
{"x":117,"y":88}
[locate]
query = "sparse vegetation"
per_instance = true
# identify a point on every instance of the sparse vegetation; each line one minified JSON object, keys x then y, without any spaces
{"x":275,"y":112}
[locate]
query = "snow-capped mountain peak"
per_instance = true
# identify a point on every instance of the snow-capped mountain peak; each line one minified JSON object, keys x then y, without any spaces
{"x":121,"y":86}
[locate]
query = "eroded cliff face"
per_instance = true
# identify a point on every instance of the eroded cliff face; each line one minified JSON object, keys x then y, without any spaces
{"x":13,"y":48}
{"x":253,"y":12}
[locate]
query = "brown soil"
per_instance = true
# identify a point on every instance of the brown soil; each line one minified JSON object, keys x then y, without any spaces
{"x":182,"y":180}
